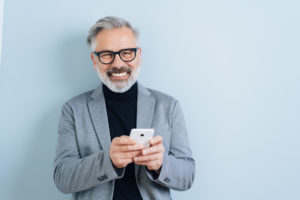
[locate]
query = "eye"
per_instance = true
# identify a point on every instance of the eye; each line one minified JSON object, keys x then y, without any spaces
{"x":106,"y":55}
{"x":127,"y":53}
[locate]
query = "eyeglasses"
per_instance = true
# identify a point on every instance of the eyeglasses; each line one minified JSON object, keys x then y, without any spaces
{"x":108,"y":57}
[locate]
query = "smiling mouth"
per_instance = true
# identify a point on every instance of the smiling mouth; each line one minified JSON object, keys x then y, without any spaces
{"x":119,"y":74}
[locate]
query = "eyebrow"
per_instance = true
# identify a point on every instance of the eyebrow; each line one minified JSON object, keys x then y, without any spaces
{"x":117,"y":50}
{"x":105,"y":50}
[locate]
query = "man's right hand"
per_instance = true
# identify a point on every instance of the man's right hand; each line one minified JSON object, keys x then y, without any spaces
{"x":122,"y":151}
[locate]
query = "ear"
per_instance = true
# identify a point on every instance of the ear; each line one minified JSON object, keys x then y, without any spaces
{"x":93,"y":57}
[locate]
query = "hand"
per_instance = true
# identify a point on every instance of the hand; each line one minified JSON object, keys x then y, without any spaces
{"x":122,"y":151}
{"x":152,"y":157}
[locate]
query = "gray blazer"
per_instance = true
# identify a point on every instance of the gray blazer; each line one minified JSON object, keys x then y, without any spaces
{"x":82,"y":164}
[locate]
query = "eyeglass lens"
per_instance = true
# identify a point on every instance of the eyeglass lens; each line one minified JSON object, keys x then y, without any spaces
{"x":126,"y":55}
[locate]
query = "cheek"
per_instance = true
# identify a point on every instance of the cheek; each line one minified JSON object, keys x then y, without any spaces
{"x":102,"y":68}
{"x":134,"y":64}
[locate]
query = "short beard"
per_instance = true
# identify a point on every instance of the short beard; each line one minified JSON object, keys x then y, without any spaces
{"x":119,"y":86}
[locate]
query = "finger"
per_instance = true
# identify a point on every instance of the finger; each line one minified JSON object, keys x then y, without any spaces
{"x":129,"y":155}
{"x":157,"y":156}
{"x":154,"y":149}
{"x":126,"y":148}
{"x":125,"y":162}
{"x":124,"y":140}
{"x":141,"y":163}
{"x":145,"y":163}
{"x":156,"y":140}
{"x":151,"y":165}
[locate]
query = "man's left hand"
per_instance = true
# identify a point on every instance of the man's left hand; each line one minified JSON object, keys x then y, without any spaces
{"x":152,"y":157}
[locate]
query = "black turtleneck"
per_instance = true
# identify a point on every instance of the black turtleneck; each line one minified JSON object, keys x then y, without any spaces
{"x":121,"y":111}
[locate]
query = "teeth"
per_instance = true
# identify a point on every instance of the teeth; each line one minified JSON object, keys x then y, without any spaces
{"x":119,"y":74}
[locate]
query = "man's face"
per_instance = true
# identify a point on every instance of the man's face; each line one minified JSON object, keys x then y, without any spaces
{"x":119,"y":76}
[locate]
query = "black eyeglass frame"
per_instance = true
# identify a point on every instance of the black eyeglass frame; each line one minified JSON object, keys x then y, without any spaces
{"x":114,"y":53}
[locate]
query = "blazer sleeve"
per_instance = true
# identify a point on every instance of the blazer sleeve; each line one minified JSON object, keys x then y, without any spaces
{"x":73,"y":173}
{"x":178,"y":168}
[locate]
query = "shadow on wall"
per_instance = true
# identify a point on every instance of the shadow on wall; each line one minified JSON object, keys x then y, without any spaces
{"x":74,"y":74}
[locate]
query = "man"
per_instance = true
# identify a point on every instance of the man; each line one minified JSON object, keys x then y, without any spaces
{"x":95,"y":158}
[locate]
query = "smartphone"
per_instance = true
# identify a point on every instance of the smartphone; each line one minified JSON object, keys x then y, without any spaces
{"x":142,"y":136}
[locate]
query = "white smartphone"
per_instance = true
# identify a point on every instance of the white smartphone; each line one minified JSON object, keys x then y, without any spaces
{"x":142,"y":136}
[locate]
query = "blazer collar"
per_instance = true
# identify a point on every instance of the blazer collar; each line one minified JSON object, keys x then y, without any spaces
{"x":98,"y":113}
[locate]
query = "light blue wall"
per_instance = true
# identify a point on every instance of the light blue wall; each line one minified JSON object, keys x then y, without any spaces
{"x":234,"y":66}
{"x":1,"y":16}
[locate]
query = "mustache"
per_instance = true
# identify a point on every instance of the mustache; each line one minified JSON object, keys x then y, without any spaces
{"x":118,"y":70}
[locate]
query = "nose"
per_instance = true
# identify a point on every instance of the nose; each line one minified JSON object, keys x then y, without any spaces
{"x":118,"y":62}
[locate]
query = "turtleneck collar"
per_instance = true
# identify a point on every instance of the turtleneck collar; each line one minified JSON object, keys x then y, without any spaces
{"x":129,"y":94}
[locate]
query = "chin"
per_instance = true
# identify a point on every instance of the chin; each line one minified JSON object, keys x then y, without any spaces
{"x":119,"y":86}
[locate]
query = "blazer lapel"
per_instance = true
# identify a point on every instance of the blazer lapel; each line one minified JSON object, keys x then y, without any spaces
{"x":98,"y":114}
{"x":145,"y":111}
{"x":145,"y":107}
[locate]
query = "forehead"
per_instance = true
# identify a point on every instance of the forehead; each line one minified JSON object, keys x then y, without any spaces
{"x":115,"y":39}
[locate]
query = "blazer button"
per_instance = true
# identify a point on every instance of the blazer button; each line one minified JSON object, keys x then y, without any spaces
{"x":102,"y":178}
{"x":167,"y":180}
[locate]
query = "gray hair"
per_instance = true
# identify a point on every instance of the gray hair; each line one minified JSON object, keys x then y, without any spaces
{"x":109,"y":22}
